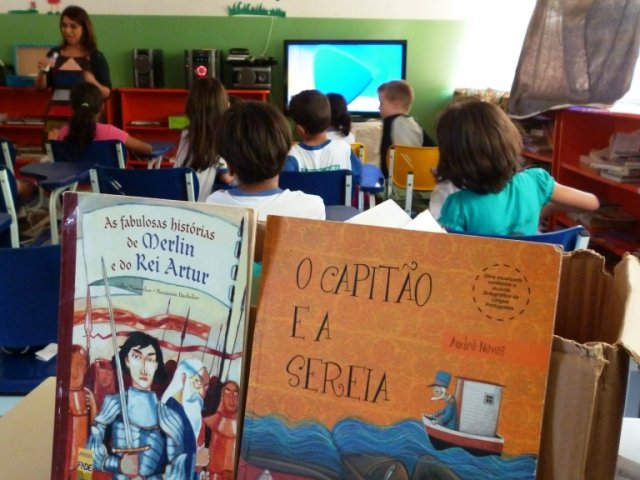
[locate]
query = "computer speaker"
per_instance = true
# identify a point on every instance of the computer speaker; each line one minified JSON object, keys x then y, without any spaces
{"x":148,"y":68}
{"x":248,"y":76}
{"x":201,"y":63}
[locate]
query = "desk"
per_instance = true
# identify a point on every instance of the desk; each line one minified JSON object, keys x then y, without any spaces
{"x":26,"y":435}
{"x":155,"y":157}
{"x":57,"y":177}
{"x":371,"y":182}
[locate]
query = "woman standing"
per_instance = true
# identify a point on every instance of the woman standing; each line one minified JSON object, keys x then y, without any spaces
{"x":75,"y":60}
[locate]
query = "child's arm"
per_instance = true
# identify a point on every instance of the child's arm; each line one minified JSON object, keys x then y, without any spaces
{"x":568,"y":198}
{"x":138,"y":146}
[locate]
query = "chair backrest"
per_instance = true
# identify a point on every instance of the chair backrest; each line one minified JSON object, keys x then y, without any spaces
{"x":7,"y":154}
{"x":169,"y":183}
{"x":108,"y":153}
{"x":403,"y":160}
{"x":570,"y":239}
{"x":360,"y":151}
{"x":8,"y":199}
{"x":29,"y":291}
{"x":334,"y":186}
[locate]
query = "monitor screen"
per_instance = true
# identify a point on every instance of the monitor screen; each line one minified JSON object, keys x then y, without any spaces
{"x":353,"y":68}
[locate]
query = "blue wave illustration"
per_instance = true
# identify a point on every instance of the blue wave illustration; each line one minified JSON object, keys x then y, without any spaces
{"x":311,"y":443}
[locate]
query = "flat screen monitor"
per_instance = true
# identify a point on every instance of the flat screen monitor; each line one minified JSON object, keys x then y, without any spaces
{"x":353,"y":68}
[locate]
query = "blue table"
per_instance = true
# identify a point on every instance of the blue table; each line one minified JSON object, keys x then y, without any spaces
{"x":57,"y":177}
{"x":155,"y":157}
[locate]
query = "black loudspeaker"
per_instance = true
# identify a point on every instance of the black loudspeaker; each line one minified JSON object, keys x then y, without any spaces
{"x":147,"y":68}
{"x":201,"y":63}
{"x":248,"y":76}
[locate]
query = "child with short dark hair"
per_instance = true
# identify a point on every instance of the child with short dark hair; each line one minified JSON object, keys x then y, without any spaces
{"x":340,"y":125}
{"x":84,"y":127}
{"x":396,"y":98}
{"x":311,"y":113}
{"x":479,"y":153}
{"x":255,"y":137}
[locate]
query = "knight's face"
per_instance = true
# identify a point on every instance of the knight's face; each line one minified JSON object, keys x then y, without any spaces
{"x":142,"y":363}
{"x":230,"y":397}
{"x":78,"y":369}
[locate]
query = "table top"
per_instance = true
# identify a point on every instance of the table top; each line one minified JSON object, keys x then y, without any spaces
{"x":26,"y":434}
{"x":52,"y":175}
{"x":371,"y":180}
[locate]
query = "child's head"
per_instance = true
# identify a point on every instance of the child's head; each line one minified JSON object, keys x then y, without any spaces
{"x":311,"y":111}
{"x":207,"y":99}
{"x":396,"y":97}
{"x":85,"y":96}
{"x":340,"y":116}
{"x":479,"y":146}
{"x":206,"y":102}
{"x":86,"y":103}
{"x":254,"y":138}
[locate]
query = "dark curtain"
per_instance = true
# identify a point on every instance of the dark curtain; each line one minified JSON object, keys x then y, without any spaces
{"x":576,"y":52}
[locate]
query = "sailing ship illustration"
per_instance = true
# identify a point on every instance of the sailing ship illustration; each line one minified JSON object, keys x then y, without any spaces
{"x":477,"y":410}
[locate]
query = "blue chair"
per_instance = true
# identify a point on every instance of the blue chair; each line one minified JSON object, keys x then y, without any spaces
{"x":7,"y":154}
{"x":169,"y":183}
{"x":334,"y":186}
{"x":9,"y":231}
{"x":108,"y":153}
{"x":29,"y":292}
{"x":71,"y":165}
{"x":570,"y":239}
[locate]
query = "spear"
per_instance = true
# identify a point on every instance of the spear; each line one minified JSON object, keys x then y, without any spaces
{"x":183,"y":334}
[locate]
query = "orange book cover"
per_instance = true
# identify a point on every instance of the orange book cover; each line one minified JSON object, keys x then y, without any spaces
{"x":151,"y":336}
{"x":392,"y":354}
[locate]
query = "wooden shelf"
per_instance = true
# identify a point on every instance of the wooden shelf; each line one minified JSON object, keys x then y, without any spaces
{"x":546,"y":157}
{"x":617,"y":242}
{"x":156,"y":105}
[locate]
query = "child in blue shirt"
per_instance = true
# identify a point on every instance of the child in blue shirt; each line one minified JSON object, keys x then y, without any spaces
{"x":479,"y":153}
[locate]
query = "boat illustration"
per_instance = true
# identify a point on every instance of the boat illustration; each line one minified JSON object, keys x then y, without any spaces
{"x":478,"y":410}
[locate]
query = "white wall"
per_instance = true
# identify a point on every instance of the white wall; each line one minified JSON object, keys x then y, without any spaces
{"x":398,"y":9}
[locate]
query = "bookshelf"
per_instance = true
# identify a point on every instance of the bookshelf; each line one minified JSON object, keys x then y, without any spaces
{"x":577,"y":131}
{"x":145,"y":112}
{"x":25,"y":108}
{"x":538,"y":139}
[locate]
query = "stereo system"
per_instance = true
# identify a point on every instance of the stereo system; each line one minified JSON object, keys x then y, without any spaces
{"x":246,"y":71}
{"x":249,"y":76}
{"x":201,"y":63}
{"x":147,"y":68}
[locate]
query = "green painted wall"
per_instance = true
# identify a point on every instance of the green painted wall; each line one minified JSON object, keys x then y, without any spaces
{"x":432,"y":53}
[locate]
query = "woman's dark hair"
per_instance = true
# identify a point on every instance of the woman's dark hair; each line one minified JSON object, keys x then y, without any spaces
{"x":340,"y":116}
{"x":254,"y":138}
{"x":479,"y":146}
{"x":206,"y":102}
{"x":142,"y":340}
{"x":81,"y":17}
{"x":86,"y":102}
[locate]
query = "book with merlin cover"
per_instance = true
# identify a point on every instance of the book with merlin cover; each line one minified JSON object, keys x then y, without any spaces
{"x":383,"y":353}
{"x":153,"y":312}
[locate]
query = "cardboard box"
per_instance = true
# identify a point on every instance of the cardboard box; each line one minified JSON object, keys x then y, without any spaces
{"x":597,"y":327}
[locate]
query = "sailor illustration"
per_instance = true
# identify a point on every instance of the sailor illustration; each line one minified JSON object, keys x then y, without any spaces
{"x":447,"y":416}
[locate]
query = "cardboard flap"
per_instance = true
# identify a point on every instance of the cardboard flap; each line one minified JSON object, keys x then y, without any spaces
{"x":582,"y":313}
{"x":625,"y":303}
